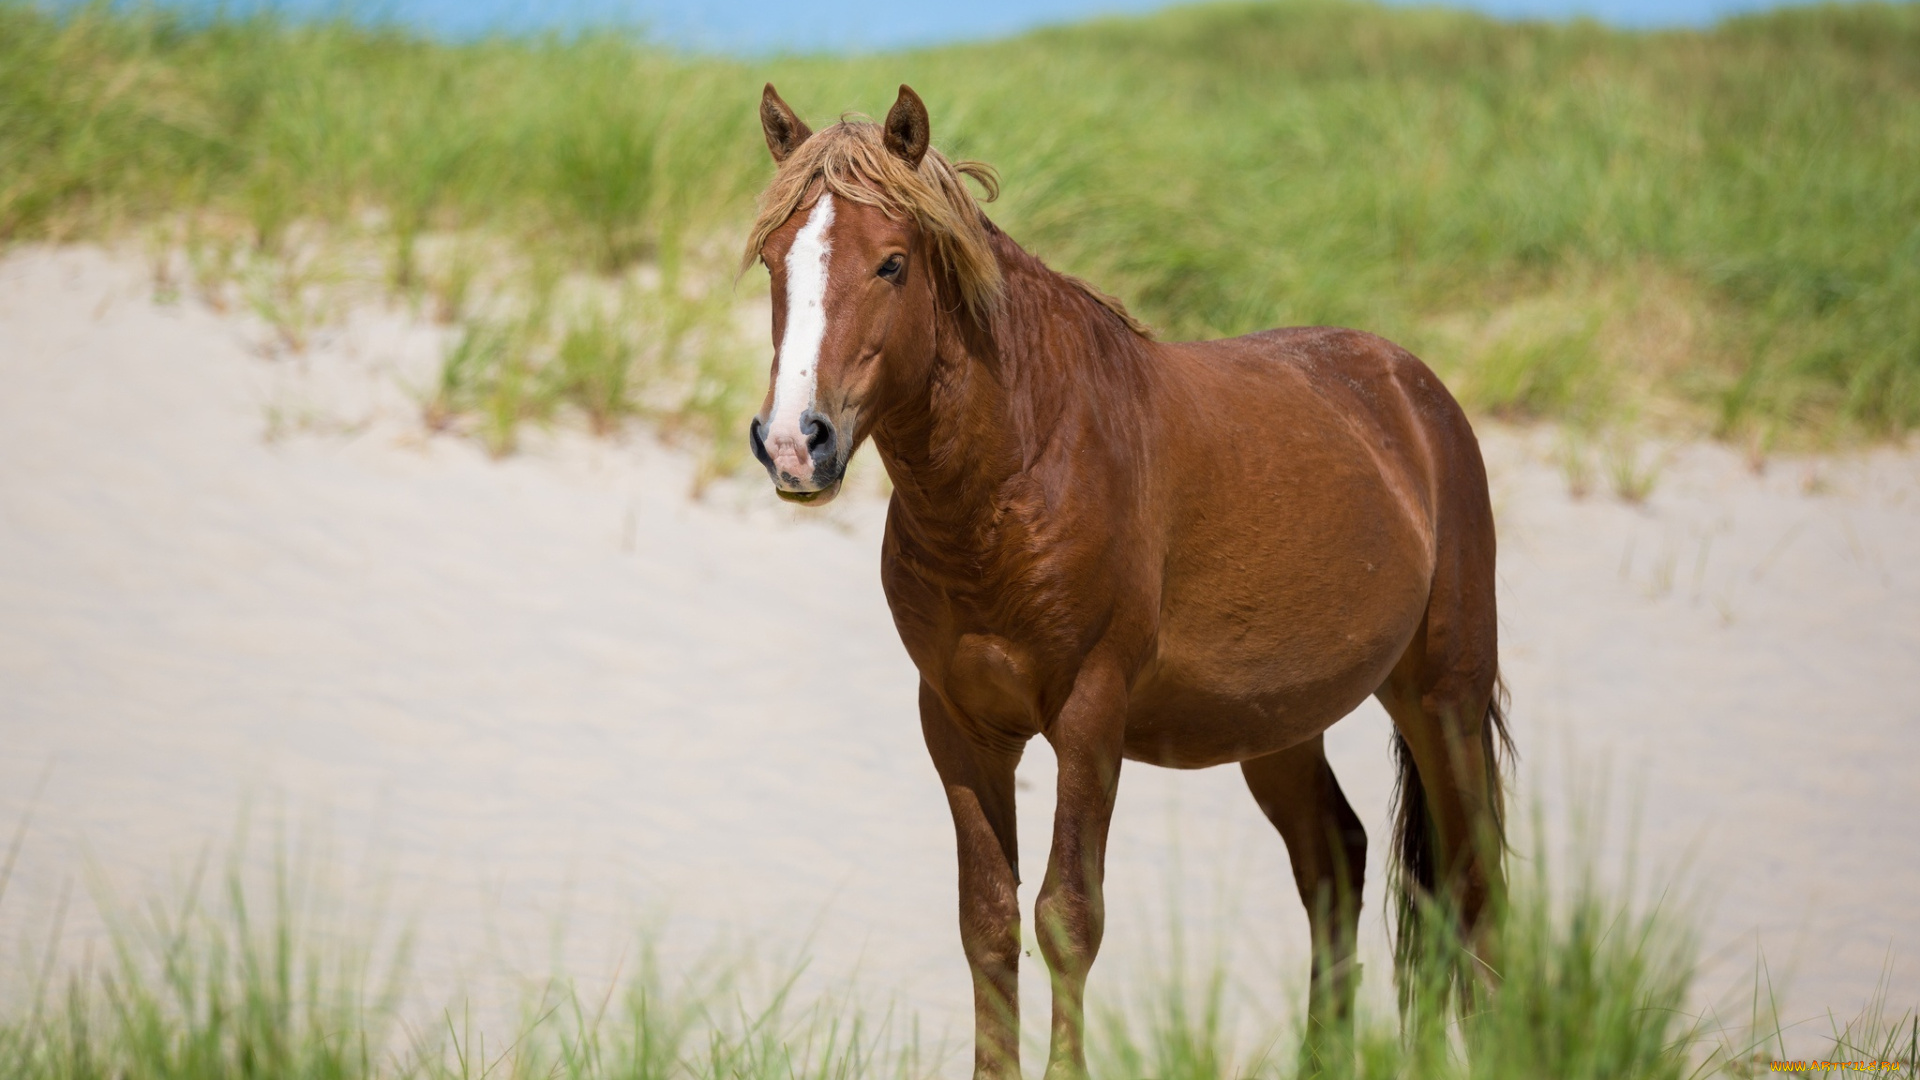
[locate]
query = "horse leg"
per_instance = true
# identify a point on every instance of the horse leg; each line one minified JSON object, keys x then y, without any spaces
{"x":1070,"y":914}
{"x":979,"y":785}
{"x":1444,"y":711}
{"x":1298,"y":792}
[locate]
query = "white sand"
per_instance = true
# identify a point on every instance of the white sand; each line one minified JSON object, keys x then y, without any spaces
{"x":556,"y":690}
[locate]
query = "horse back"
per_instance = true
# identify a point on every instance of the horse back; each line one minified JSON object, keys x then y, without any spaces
{"x":1315,"y":408}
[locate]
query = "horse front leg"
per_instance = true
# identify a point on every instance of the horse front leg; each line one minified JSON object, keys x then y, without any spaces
{"x":1070,"y":915}
{"x":979,"y":784}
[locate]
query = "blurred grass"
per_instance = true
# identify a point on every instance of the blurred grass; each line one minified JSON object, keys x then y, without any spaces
{"x":272,"y":975}
{"x":212,"y":987}
{"x":1707,"y":230}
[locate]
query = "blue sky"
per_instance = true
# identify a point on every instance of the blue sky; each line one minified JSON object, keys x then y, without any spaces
{"x":762,"y":26}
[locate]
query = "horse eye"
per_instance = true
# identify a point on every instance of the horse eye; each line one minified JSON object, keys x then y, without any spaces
{"x":892,"y":267}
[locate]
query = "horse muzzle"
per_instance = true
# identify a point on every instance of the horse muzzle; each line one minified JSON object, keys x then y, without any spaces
{"x":806,"y":462}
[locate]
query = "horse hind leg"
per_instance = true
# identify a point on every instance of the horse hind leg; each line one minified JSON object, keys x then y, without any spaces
{"x":1450,"y":737}
{"x":1327,"y":845}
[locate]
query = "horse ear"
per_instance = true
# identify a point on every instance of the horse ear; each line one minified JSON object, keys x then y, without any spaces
{"x":906,"y":128}
{"x":785,"y":131}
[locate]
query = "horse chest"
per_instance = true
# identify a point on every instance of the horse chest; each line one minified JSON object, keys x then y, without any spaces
{"x":997,"y":638}
{"x":994,"y":682}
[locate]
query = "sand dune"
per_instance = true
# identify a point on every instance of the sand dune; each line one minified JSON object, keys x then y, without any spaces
{"x":557,"y":690}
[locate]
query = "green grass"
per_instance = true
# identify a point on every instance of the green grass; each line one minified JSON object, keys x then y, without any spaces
{"x":1706,"y":231}
{"x":265,"y":969}
{"x":268,"y":973}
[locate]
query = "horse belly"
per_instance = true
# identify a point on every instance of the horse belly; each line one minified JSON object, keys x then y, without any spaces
{"x":1181,"y":721}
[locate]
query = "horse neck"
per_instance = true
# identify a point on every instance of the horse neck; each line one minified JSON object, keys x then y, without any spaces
{"x":1000,"y":391}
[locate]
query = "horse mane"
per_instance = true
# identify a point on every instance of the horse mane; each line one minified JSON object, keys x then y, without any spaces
{"x":851,"y":159}
{"x":1112,"y":304}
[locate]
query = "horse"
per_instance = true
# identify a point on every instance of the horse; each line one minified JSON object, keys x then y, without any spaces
{"x":1185,"y":554}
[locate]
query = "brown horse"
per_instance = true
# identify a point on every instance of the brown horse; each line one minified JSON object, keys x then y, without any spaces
{"x":1186,"y":554}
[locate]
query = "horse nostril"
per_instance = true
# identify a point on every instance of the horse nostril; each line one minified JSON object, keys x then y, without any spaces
{"x":758,"y":441}
{"x":819,"y":434}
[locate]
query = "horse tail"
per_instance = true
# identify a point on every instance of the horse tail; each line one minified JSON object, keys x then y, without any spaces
{"x":1414,"y":865}
{"x":1497,"y":753}
{"x":1414,"y":870}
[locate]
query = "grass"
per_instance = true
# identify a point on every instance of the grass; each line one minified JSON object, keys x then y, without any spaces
{"x":1593,"y":987}
{"x":267,"y":973}
{"x":1711,"y":231}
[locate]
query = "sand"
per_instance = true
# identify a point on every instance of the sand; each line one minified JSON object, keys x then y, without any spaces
{"x":547,"y":700}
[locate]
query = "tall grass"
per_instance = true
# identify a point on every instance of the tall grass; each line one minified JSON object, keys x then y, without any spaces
{"x":287,"y":986}
{"x":262,"y":977}
{"x":1589,"y":986}
{"x":1714,"y":230}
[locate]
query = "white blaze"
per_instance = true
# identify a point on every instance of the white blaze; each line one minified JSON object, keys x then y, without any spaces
{"x":806,"y":323}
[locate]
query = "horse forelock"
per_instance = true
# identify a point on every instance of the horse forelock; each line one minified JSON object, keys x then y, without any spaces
{"x":850,"y":160}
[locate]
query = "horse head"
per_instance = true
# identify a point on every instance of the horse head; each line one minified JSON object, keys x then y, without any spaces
{"x":859,"y":230}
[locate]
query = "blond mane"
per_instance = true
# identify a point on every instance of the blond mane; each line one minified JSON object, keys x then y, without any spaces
{"x":854,"y":163}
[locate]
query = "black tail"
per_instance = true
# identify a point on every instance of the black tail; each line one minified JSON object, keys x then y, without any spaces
{"x":1411,"y":875}
{"x":1414,"y":872}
